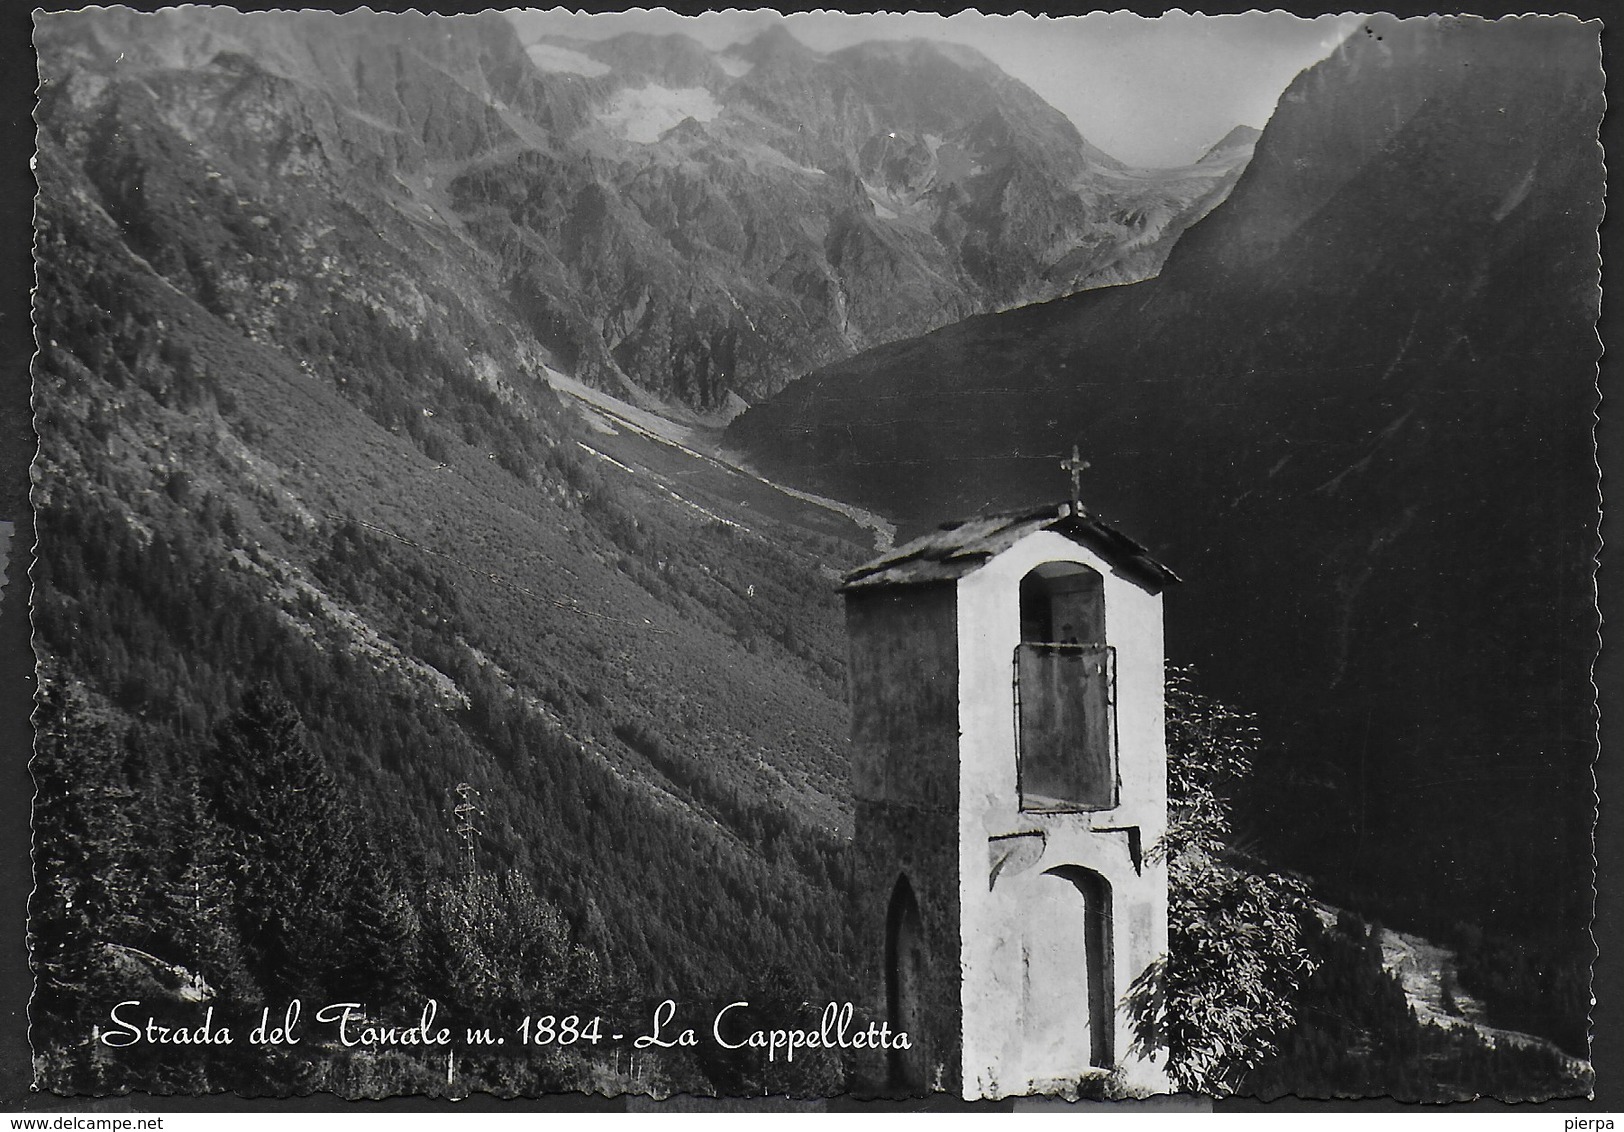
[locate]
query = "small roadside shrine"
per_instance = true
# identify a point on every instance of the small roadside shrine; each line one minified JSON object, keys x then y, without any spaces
{"x":1009,"y":771}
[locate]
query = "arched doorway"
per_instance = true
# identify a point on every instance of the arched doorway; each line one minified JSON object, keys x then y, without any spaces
{"x":904,"y":984}
{"x":1068,"y":992}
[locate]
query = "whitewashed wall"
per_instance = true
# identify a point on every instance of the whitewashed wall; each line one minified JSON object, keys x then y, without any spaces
{"x":995,"y":986}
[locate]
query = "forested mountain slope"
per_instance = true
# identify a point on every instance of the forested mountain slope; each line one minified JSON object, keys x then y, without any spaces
{"x":319,"y":545}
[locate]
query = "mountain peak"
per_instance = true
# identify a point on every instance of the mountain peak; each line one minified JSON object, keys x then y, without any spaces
{"x":775,"y":43}
{"x":675,"y":59}
{"x":1241,"y":137}
{"x":919,"y":50}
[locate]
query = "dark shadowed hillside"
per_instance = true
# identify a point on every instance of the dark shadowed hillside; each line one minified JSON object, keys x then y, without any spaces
{"x":1355,"y":412}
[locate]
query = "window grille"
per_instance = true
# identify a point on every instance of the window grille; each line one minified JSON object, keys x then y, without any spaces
{"x":1065,"y":727}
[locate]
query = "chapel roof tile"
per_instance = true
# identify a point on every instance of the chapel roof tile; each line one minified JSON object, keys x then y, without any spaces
{"x":959,"y":548}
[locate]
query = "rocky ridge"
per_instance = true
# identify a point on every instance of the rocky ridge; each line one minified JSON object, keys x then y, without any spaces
{"x":661,"y":220}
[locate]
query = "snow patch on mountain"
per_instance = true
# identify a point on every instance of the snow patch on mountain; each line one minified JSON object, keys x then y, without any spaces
{"x":643,"y":114}
{"x":759,"y":156}
{"x":555,"y":59}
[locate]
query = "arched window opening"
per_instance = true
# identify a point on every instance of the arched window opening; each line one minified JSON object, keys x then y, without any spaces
{"x":1063,"y":603}
{"x":1065,"y":692}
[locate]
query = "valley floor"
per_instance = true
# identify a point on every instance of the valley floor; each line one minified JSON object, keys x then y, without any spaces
{"x":610,"y":415}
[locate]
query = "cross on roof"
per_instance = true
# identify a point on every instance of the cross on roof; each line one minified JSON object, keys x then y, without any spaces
{"x":1076,"y":466}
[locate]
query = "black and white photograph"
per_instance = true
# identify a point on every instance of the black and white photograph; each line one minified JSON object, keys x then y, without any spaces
{"x":1008,"y":560}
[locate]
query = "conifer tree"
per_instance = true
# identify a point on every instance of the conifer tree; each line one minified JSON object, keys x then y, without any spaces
{"x":85,"y":894}
{"x":293,"y":848}
{"x":197,"y":909}
{"x":383,"y":933}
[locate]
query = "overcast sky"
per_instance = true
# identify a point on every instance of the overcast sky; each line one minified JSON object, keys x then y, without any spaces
{"x":1151,"y":92}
